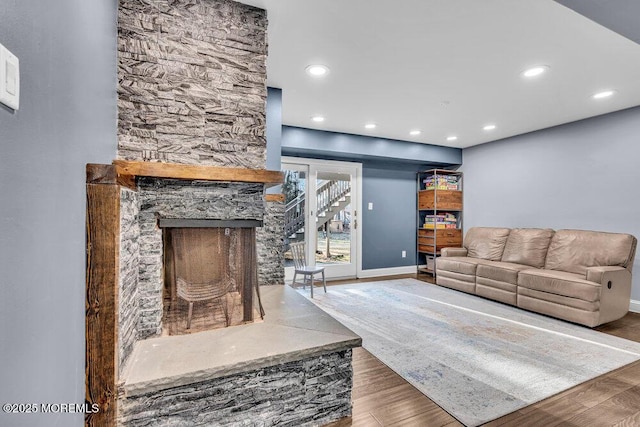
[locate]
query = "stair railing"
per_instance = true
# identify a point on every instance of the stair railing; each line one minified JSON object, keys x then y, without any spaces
{"x":294,"y":215}
{"x":327,"y":194}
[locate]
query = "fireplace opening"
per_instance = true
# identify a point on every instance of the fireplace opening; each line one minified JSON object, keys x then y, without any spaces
{"x":210,"y":275}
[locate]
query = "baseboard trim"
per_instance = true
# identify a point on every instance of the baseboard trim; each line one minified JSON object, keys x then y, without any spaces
{"x":634,"y":306}
{"x":392,"y":271}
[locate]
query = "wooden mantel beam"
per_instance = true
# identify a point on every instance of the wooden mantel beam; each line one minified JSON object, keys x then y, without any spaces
{"x":125,"y":168}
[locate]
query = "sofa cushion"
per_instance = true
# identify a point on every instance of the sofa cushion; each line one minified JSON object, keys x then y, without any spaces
{"x":560,"y":283}
{"x":527,"y":246}
{"x":460,"y":252}
{"x":497,"y":280}
{"x":501,"y":271}
{"x":575,"y":250}
{"x":486,"y":242}
{"x":461,"y":265}
{"x":458,"y":273}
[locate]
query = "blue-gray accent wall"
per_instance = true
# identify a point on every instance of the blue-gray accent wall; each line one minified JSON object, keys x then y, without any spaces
{"x":390,"y":227}
{"x":67,"y":118}
{"x":388,"y":181}
{"x":313,"y":143}
{"x":581,"y":175}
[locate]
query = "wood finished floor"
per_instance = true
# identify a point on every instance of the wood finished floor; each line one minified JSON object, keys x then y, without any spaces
{"x":383,"y":398}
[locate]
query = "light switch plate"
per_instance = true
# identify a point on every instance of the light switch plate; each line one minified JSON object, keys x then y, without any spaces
{"x":9,"y":79}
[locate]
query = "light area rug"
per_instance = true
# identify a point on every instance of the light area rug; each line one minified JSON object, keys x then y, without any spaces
{"x":477,"y":359}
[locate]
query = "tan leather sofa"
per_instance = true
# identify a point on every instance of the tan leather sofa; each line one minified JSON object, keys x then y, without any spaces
{"x":576,"y":275}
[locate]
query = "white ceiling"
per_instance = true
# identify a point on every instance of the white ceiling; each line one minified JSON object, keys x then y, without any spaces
{"x":446,"y":67}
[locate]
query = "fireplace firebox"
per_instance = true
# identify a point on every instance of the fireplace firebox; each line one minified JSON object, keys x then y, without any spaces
{"x":210,"y":274}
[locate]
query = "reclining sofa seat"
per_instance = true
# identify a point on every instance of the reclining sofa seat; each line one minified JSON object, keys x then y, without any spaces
{"x":576,"y":275}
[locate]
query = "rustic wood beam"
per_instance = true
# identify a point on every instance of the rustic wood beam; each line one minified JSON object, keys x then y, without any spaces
{"x":194,"y":172}
{"x":274,"y":197}
{"x":101,"y":304}
{"x":108,"y":174}
{"x":101,"y":174}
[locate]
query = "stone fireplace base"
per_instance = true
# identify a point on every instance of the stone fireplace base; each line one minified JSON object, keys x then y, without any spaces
{"x":124,"y":286}
{"x":292,"y":369}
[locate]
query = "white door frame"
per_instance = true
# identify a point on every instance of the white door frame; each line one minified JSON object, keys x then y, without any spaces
{"x":314,"y":165}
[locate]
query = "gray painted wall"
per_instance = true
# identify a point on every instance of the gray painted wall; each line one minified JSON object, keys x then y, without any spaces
{"x":67,"y":118}
{"x":582,"y":175}
{"x":620,"y":16}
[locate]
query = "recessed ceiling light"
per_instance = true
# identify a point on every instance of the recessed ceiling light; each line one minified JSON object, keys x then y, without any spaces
{"x":535,"y":71}
{"x":370,"y":126}
{"x":604,"y":94}
{"x":415,"y":132}
{"x":317,"y":70}
{"x":317,"y":119}
{"x":489,"y":127}
{"x":452,"y":138}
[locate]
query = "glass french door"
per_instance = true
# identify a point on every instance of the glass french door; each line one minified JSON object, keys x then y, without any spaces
{"x":326,"y":221}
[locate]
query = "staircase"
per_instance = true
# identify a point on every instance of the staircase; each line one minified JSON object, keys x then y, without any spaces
{"x":331,"y":197}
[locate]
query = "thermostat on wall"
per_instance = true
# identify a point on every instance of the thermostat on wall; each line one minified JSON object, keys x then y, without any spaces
{"x":9,"y":79}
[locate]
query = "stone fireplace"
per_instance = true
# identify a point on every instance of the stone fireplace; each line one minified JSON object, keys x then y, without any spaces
{"x":191,"y":94}
{"x":294,"y":366}
{"x":192,"y":155}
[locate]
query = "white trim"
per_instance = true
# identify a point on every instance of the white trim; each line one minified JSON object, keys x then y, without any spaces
{"x":392,"y":271}
{"x":358,"y":217}
{"x":634,"y":306}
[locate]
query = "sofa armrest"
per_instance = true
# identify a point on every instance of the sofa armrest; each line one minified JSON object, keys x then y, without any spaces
{"x":597,"y":274}
{"x":453,"y":252}
{"x":615,"y":292}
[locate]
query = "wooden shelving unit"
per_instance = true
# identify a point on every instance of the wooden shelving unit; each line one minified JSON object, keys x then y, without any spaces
{"x":439,"y":215}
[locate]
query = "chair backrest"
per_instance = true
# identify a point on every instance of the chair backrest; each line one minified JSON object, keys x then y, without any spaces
{"x":297,"y":251}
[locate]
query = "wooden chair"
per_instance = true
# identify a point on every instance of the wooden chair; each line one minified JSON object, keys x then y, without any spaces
{"x":301,"y":267}
{"x":195,"y":292}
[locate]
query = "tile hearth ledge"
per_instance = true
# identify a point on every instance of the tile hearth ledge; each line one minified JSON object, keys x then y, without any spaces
{"x":293,"y":329}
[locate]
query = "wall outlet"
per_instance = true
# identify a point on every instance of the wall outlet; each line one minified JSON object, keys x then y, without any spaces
{"x":370,"y":206}
{"x":404,"y":254}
